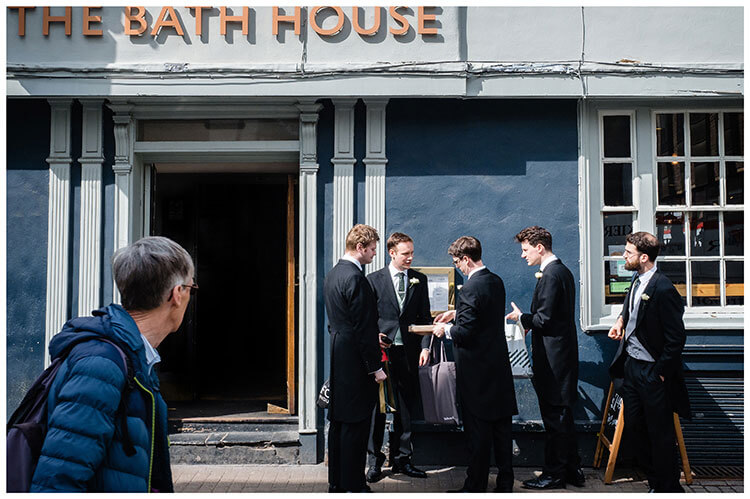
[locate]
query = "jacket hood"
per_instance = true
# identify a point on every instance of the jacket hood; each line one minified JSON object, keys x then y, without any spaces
{"x":112,"y":322}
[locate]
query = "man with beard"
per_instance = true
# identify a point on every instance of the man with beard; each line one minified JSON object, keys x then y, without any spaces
{"x":648,"y":364}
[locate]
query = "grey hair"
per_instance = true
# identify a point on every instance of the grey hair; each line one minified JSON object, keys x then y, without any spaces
{"x":147,"y":269}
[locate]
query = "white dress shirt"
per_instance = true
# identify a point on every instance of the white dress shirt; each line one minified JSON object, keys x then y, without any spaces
{"x":152,"y":356}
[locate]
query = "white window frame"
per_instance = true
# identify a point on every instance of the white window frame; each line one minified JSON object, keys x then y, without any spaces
{"x":594,"y":313}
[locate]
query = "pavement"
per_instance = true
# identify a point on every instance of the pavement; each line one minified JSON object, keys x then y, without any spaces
{"x":314,"y":478}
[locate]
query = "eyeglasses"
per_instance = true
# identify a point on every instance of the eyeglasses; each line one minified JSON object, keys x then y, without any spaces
{"x":193,"y":288}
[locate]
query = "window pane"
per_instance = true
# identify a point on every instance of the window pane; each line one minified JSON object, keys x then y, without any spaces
{"x":670,"y":134}
{"x":617,"y":136}
{"x":200,"y":130}
{"x":676,"y":273}
{"x":671,"y":183}
{"x":616,"y":281}
{"x":618,"y":184}
{"x":704,"y":234}
{"x":670,"y":230}
{"x":735,"y":284}
{"x":735,"y":177}
{"x":734,"y":229}
{"x":704,"y":134}
{"x":705,"y":287}
{"x":704,"y":183}
{"x":734,"y":131}
{"x":616,"y":227}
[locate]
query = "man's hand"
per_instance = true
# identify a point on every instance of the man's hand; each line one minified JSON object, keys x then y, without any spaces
{"x":515,"y":315}
{"x":380,"y":376}
{"x":662,"y":378}
{"x":424,"y":357}
{"x":445,"y":317}
{"x":383,"y":345}
{"x":438,"y":330}
{"x":616,"y":331}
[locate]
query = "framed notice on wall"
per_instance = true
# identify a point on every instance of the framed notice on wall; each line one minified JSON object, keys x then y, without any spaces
{"x":441,"y":286}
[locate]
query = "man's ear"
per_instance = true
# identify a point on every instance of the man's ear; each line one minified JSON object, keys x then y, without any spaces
{"x":540,"y":248}
{"x":176,"y":295}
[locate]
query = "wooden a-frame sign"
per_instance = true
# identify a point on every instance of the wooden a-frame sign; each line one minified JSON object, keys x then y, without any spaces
{"x":614,"y":417}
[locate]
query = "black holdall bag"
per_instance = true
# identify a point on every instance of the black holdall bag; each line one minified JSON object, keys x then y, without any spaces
{"x":27,"y":427}
{"x":437,"y":382}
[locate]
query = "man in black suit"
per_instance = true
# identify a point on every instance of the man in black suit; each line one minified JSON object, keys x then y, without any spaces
{"x":648,"y":364}
{"x":403,"y":299}
{"x":484,"y":380}
{"x":356,"y":369}
{"x":554,"y":343}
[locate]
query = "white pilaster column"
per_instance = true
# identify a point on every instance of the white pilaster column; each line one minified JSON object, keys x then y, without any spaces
{"x":89,"y":257}
{"x":343,"y":174}
{"x":375,"y":161}
{"x":308,"y":225}
{"x":123,"y":168}
{"x":58,"y":225}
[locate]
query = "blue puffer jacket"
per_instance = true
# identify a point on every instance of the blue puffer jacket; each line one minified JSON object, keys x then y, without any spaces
{"x":83,"y":450}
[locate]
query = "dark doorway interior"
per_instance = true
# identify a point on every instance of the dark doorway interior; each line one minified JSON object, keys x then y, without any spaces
{"x":232,"y":343}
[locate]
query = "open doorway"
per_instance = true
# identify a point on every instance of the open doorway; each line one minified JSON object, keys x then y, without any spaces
{"x":232,"y":352}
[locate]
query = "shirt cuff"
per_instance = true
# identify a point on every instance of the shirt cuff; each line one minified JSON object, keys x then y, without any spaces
{"x":448,"y":331}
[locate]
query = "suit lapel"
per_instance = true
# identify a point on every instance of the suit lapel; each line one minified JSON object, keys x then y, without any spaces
{"x":409,"y":289}
{"x":642,"y":306}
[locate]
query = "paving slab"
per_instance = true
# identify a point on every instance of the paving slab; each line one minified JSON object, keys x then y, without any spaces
{"x":313,"y":478}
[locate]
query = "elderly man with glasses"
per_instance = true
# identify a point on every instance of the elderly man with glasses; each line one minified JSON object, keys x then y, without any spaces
{"x":107,"y":421}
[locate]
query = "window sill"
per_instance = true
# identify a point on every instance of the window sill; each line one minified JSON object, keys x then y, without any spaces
{"x":704,"y":320}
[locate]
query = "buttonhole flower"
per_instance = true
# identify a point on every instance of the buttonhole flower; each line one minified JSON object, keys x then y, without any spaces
{"x":538,"y":275}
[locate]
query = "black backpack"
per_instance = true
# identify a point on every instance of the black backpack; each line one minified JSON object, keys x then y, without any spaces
{"x":27,"y":427}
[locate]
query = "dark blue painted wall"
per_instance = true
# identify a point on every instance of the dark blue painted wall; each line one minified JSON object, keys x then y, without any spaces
{"x":27,"y":185}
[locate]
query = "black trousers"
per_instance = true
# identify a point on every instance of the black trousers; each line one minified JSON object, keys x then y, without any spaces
{"x":347,"y":449}
{"x":406,"y":395}
{"x":649,"y":421}
{"x":560,"y":445}
{"x":481,"y":435}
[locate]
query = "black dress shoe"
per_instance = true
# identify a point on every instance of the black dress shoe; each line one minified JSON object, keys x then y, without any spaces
{"x":408,"y":469}
{"x":544,"y":482}
{"x":373,"y":474}
{"x":576,"y":478}
{"x":459,"y":490}
{"x":504,"y":488}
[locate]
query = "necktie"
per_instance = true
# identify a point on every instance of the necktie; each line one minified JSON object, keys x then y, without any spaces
{"x":636,"y":283}
{"x":401,"y":289}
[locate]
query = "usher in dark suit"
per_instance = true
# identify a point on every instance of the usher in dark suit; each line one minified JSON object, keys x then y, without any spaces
{"x":355,"y":355}
{"x":649,"y":401}
{"x":404,"y":359}
{"x":554,"y":343}
{"x":484,"y":380}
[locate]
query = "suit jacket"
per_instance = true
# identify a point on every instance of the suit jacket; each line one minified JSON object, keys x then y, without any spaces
{"x":554,"y":337}
{"x":660,"y":330}
{"x":416,"y":310}
{"x":484,"y":379}
{"x":355,"y":350}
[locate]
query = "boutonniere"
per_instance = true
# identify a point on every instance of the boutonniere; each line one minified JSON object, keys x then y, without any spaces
{"x":459,"y":287}
{"x":645,"y":297}
{"x":413,"y":281}
{"x":538,"y":275}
